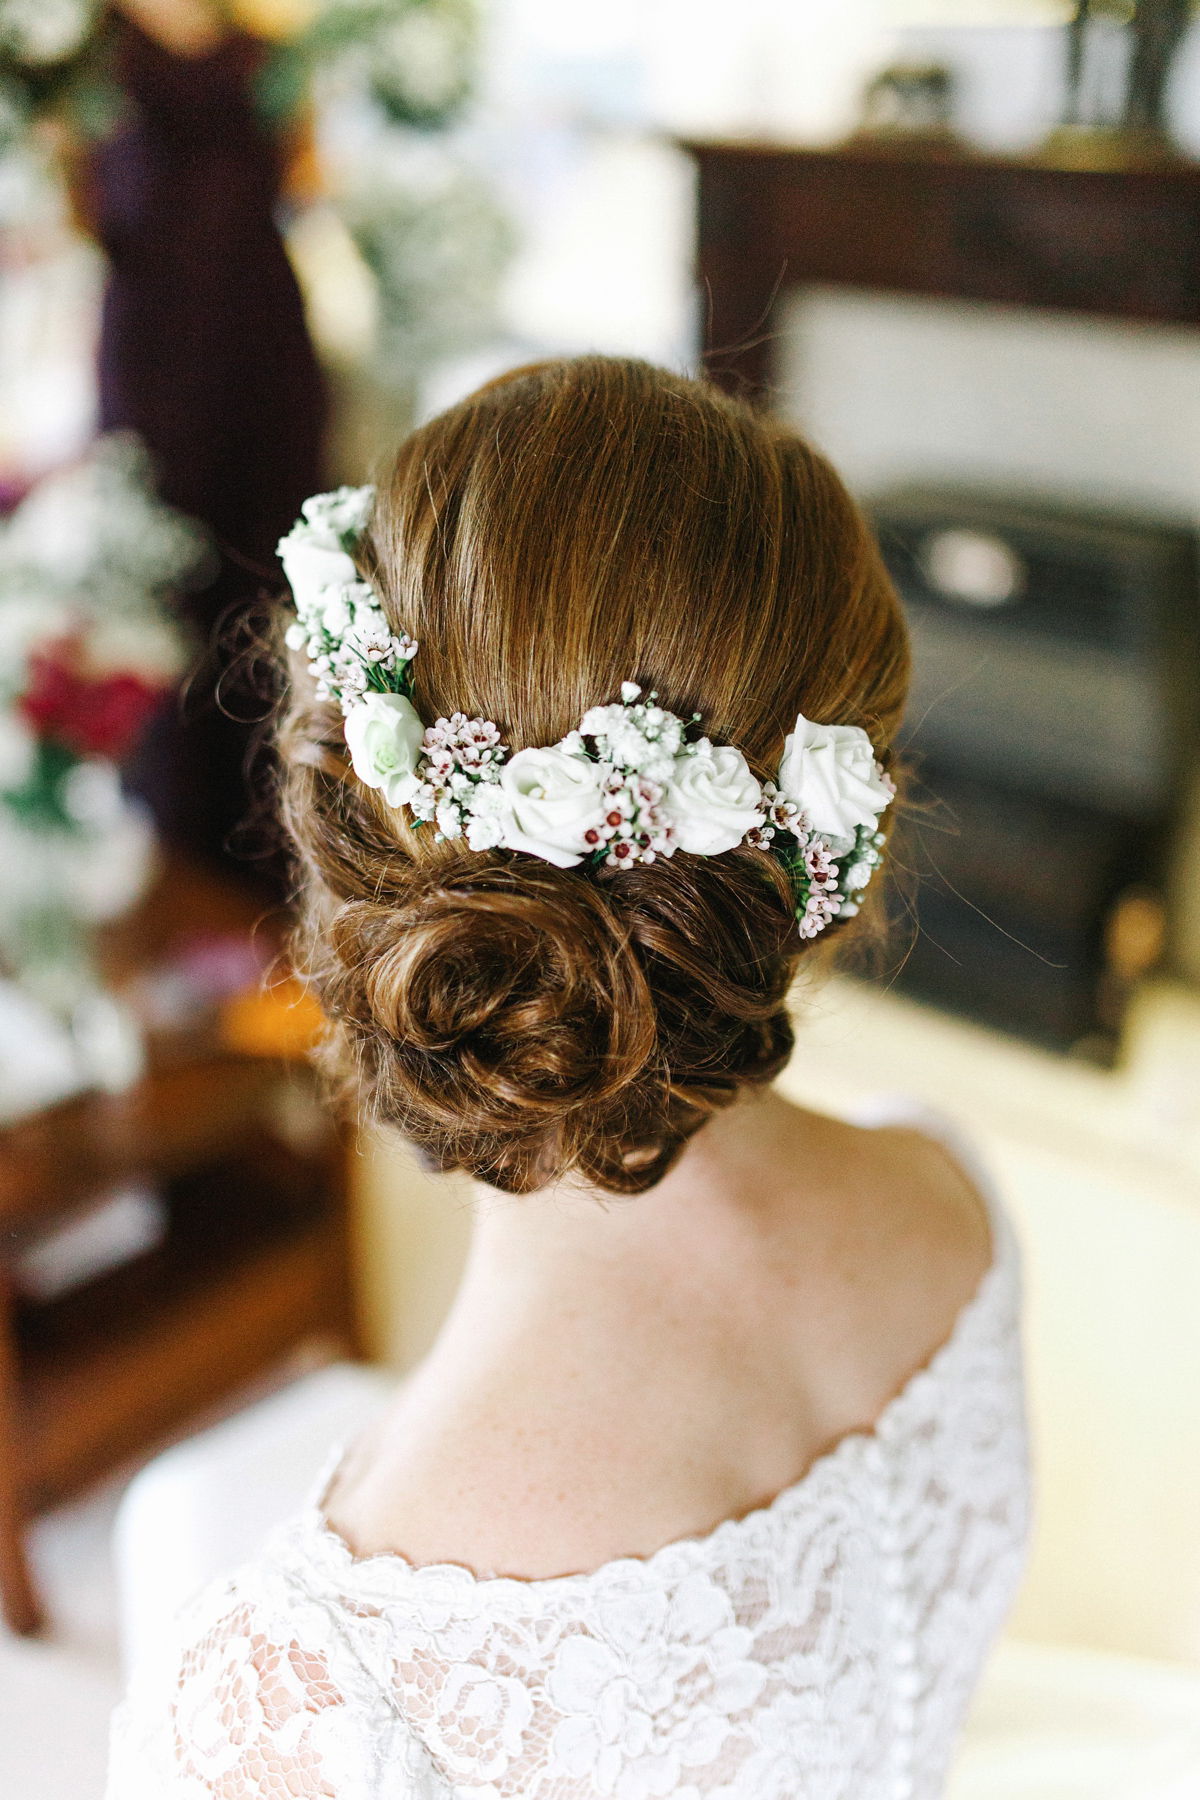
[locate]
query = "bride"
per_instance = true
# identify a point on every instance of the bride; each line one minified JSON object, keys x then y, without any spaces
{"x":714,"y":1483}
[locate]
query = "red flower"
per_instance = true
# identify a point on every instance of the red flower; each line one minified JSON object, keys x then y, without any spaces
{"x":93,"y":715}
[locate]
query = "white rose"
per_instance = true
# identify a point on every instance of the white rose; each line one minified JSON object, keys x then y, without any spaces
{"x":550,"y":799}
{"x":712,"y":799}
{"x":313,"y":564}
{"x":829,"y":771}
{"x":385,"y":737}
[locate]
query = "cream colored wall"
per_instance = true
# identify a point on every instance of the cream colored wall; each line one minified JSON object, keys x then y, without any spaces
{"x":411,"y":1236}
{"x":1102,"y":1175}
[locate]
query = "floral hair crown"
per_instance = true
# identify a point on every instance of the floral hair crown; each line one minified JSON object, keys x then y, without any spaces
{"x":633,"y":782}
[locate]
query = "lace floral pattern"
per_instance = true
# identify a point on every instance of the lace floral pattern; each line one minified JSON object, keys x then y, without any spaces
{"x":826,"y":1645}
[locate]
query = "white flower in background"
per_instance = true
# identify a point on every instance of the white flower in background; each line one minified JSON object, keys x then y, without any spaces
{"x":551,"y":801}
{"x":92,"y":794}
{"x":421,"y":62}
{"x":27,"y":619}
{"x":98,"y":527}
{"x":107,"y":866}
{"x":44,"y":31}
{"x":149,"y":648}
{"x":385,"y":736}
{"x":712,"y":800}
{"x":830,"y":773}
{"x":432,"y":231}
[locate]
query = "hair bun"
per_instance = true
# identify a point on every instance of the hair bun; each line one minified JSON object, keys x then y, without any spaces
{"x":520,"y":1021}
{"x":517,"y":986}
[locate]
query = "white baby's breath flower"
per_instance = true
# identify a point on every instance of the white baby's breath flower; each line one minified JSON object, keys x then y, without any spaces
{"x":423,"y":803}
{"x":337,"y":614}
{"x":642,"y":738}
{"x":485,"y":818}
{"x":343,"y":512}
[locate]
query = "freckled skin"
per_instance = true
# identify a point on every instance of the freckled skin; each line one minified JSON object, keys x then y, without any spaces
{"x":619,"y":1373}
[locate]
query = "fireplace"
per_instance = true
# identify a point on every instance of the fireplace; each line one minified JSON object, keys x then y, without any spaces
{"x":1054,"y":697}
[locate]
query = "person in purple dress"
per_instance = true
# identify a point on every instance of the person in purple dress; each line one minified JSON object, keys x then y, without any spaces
{"x":204,"y":352}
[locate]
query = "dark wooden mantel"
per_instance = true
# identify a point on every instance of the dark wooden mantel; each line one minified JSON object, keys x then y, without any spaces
{"x":1121,"y":244}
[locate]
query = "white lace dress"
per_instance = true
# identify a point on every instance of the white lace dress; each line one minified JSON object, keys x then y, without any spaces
{"x":824,"y":1646}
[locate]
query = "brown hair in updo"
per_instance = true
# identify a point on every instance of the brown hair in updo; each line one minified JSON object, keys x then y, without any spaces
{"x":573,"y":526}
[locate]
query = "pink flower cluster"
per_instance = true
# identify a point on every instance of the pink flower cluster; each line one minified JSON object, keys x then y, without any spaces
{"x":459,"y":755}
{"x":813,"y":871}
{"x":462,"y":743}
{"x":817,"y":898}
{"x":782,"y":815}
{"x":633,"y":828}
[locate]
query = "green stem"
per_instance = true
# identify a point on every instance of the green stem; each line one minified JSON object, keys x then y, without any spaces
{"x":40,"y":802}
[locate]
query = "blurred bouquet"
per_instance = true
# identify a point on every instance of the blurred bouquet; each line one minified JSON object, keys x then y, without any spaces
{"x":430,"y":229}
{"x":87,"y":654}
{"x":53,"y":61}
{"x":413,"y":58}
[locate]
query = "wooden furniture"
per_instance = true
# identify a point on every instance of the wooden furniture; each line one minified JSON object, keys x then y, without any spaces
{"x":255,"y":1259}
{"x":1119,"y":243}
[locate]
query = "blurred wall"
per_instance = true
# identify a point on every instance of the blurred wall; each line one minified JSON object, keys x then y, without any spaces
{"x":898,"y":389}
{"x":411,"y":1231}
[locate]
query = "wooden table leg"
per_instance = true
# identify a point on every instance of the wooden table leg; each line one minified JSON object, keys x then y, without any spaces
{"x":18,"y":1600}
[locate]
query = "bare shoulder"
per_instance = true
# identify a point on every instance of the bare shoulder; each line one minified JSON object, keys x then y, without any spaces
{"x":898,"y":1182}
{"x":906,"y":1239}
{"x":931,"y":1192}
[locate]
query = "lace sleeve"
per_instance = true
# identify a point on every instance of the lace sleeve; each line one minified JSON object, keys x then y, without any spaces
{"x":263,"y":1700}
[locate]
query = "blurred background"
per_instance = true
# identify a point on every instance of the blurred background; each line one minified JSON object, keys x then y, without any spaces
{"x":243,"y":248}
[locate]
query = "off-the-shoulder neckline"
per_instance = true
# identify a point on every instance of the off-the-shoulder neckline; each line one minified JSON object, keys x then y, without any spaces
{"x":324,"y":1543}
